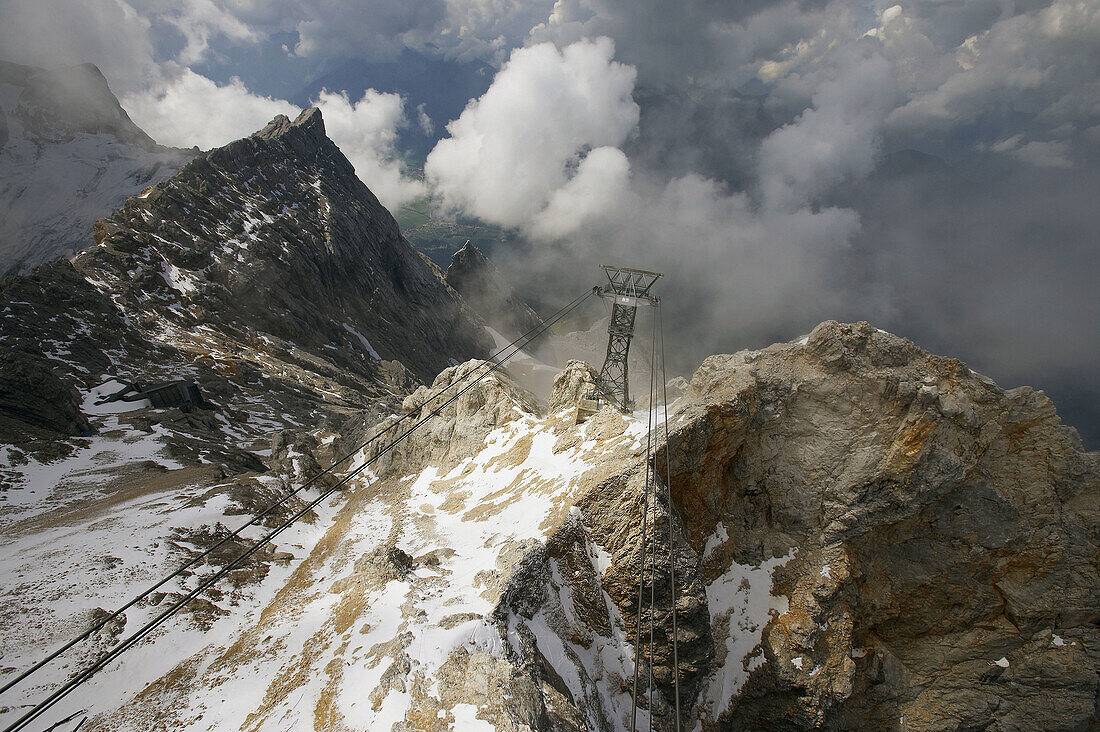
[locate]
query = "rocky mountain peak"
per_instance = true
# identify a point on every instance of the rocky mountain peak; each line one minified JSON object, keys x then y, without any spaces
{"x":275,"y":232}
{"x":478,"y":280}
{"x":862,"y":532}
{"x":72,"y":99}
{"x":309,"y":124}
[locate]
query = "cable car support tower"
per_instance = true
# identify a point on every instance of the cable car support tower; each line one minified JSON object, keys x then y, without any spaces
{"x":627,"y":289}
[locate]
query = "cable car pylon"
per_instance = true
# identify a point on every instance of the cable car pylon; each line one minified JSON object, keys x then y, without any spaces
{"x":627,"y":289}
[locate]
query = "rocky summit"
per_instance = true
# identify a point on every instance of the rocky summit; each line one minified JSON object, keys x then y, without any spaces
{"x":483,"y":286}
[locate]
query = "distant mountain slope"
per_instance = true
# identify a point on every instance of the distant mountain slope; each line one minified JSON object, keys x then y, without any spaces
{"x":69,"y":154}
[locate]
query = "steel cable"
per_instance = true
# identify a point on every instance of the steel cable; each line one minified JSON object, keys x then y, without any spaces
{"x":153,"y":624}
{"x":671,"y":544}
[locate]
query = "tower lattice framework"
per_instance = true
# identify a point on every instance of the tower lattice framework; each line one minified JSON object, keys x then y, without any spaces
{"x":628,"y":289}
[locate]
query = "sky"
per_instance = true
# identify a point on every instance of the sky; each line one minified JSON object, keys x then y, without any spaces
{"x":932,"y":167}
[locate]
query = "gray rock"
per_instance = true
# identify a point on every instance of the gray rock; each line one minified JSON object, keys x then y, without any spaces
{"x":474,"y":277}
{"x":34,"y":402}
{"x":944,"y":534}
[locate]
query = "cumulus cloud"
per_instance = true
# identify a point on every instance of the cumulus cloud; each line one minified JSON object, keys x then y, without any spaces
{"x":179,"y":113}
{"x":1040,"y":63}
{"x":540,"y":152}
{"x":512,"y":148}
{"x":837,"y":138}
{"x":198,"y":21}
{"x":365,"y":130}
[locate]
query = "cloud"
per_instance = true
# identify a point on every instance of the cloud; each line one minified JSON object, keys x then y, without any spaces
{"x":512,"y":148}
{"x":374,"y":29}
{"x":200,"y":20}
{"x":837,"y":138}
{"x":1044,"y":154}
{"x":51,"y":33}
{"x":179,"y":114}
{"x":365,"y":130}
{"x":1039,"y":64}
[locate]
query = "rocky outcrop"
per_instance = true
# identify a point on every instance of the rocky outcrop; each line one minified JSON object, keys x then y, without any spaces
{"x":874,"y":537}
{"x":456,"y":430}
{"x":575,"y":382}
{"x":34,"y":402}
{"x":265,"y":271}
{"x":473,"y":276}
{"x":60,"y":103}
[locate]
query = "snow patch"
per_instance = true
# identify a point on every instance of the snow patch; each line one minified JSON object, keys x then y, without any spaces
{"x":743,"y":596}
{"x":364,"y":342}
{"x":715,"y":540}
{"x":177,"y":279}
{"x":466,"y":719}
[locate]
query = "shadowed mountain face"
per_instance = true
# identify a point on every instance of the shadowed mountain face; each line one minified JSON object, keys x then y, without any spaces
{"x":268,"y":254}
{"x":473,"y":276}
{"x":275,"y":232}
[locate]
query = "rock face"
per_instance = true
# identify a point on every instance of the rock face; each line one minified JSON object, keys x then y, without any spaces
{"x":884,"y":540}
{"x":35,"y":402}
{"x":482,"y":285}
{"x":264,"y":270}
{"x":398,"y":617}
{"x":576,"y":382}
{"x":864,"y":536}
{"x":275,"y":233}
{"x":69,"y":154}
{"x":269,"y":275}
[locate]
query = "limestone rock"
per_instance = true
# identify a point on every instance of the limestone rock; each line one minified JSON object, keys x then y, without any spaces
{"x":938,"y":522}
{"x":458,"y":430}
{"x":575,"y":382}
{"x":865,"y":536}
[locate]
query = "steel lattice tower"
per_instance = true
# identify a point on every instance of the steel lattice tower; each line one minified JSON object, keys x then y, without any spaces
{"x":627,"y":289}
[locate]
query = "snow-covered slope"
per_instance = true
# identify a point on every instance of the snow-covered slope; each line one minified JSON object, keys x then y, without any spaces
{"x":270,"y":276}
{"x":845,"y":512}
{"x":68,"y":156}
